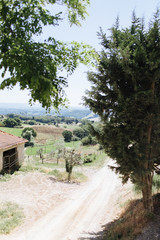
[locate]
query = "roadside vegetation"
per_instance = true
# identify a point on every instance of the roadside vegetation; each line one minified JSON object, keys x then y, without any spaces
{"x":11,"y":215}
{"x":133,"y":218}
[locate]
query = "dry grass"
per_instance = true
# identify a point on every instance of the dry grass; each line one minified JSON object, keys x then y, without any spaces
{"x":130,"y":222}
{"x":46,"y":132}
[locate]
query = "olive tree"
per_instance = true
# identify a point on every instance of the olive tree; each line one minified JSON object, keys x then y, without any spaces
{"x":71,"y":159}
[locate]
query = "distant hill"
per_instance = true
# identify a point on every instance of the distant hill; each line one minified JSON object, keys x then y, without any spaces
{"x":36,"y":110}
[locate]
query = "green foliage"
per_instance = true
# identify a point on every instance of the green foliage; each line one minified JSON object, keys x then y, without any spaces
{"x":29,"y":167}
{"x":1,"y":124}
{"x":59,"y":150}
{"x":125,"y":94}
{"x":11,"y":216}
{"x":19,"y":123}
{"x":5,"y":178}
{"x":71,"y":159}
{"x":89,"y":140}
{"x":61,"y":176}
{"x":37,"y":65}
{"x":9,"y":122}
{"x":58,"y":174}
{"x":29,"y":134}
{"x":67,"y":135}
{"x":156,"y":183}
{"x":34,"y":134}
{"x":89,"y":158}
{"x":32,"y":122}
{"x":80,"y":132}
{"x":75,"y":139}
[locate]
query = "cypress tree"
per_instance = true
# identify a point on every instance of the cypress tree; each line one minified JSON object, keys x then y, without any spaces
{"x":125,"y":93}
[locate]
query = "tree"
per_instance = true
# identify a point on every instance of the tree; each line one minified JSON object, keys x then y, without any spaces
{"x":40,"y":153}
{"x":36,"y":65}
{"x":126,"y":95}
{"x":67,"y":135}
{"x":10,"y":122}
{"x":29,"y":134}
{"x":19,"y":123}
{"x":80,"y":132}
{"x":34,"y":133}
{"x":59,"y":146}
{"x":71,"y":159}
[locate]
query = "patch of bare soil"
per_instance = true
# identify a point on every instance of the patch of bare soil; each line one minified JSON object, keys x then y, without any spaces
{"x":36,"y":193}
{"x":61,"y":211}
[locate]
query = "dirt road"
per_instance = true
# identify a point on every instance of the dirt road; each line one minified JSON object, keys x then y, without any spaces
{"x":77,"y":217}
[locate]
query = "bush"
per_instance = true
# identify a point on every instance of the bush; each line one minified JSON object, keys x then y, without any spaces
{"x":67,"y":135}
{"x":32,"y":122}
{"x":88,"y":141}
{"x":74,"y":138}
{"x":89,"y":158}
{"x":80,"y":132}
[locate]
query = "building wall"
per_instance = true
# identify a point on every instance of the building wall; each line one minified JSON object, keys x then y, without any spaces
{"x":20,"y":150}
{"x":1,"y":159}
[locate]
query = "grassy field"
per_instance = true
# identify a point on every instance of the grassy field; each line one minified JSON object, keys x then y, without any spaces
{"x":15,"y":131}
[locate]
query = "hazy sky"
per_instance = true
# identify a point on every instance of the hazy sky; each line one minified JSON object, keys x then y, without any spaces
{"x":102,"y":13}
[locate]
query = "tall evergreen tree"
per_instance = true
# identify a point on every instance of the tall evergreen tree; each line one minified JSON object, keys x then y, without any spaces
{"x":126,"y":94}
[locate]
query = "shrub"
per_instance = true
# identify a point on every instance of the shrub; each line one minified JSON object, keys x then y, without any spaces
{"x":88,"y":141}
{"x":80,"y":132}
{"x":74,"y":138}
{"x":32,"y":122}
{"x":67,"y":135}
{"x":89,"y":158}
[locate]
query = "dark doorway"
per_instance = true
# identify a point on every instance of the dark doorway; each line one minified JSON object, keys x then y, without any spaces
{"x":10,"y":161}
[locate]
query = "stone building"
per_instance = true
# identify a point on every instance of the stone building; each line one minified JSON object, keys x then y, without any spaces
{"x":11,"y":152}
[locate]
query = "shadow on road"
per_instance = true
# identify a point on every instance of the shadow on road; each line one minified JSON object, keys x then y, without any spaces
{"x":131,"y":223}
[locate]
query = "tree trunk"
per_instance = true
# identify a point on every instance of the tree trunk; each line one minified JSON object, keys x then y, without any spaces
{"x":69,"y":177}
{"x":69,"y":173}
{"x":147,"y":192}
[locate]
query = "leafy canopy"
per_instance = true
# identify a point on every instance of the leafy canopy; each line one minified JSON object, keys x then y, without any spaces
{"x":37,"y":65}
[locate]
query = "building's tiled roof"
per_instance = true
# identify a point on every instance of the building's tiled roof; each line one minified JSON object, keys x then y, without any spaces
{"x":8,"y":140}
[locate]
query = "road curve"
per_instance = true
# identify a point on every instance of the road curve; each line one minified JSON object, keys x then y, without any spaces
{"x":79,"y":215}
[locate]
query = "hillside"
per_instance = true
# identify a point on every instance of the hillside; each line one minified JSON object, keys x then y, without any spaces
{"x":36,"y":110}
